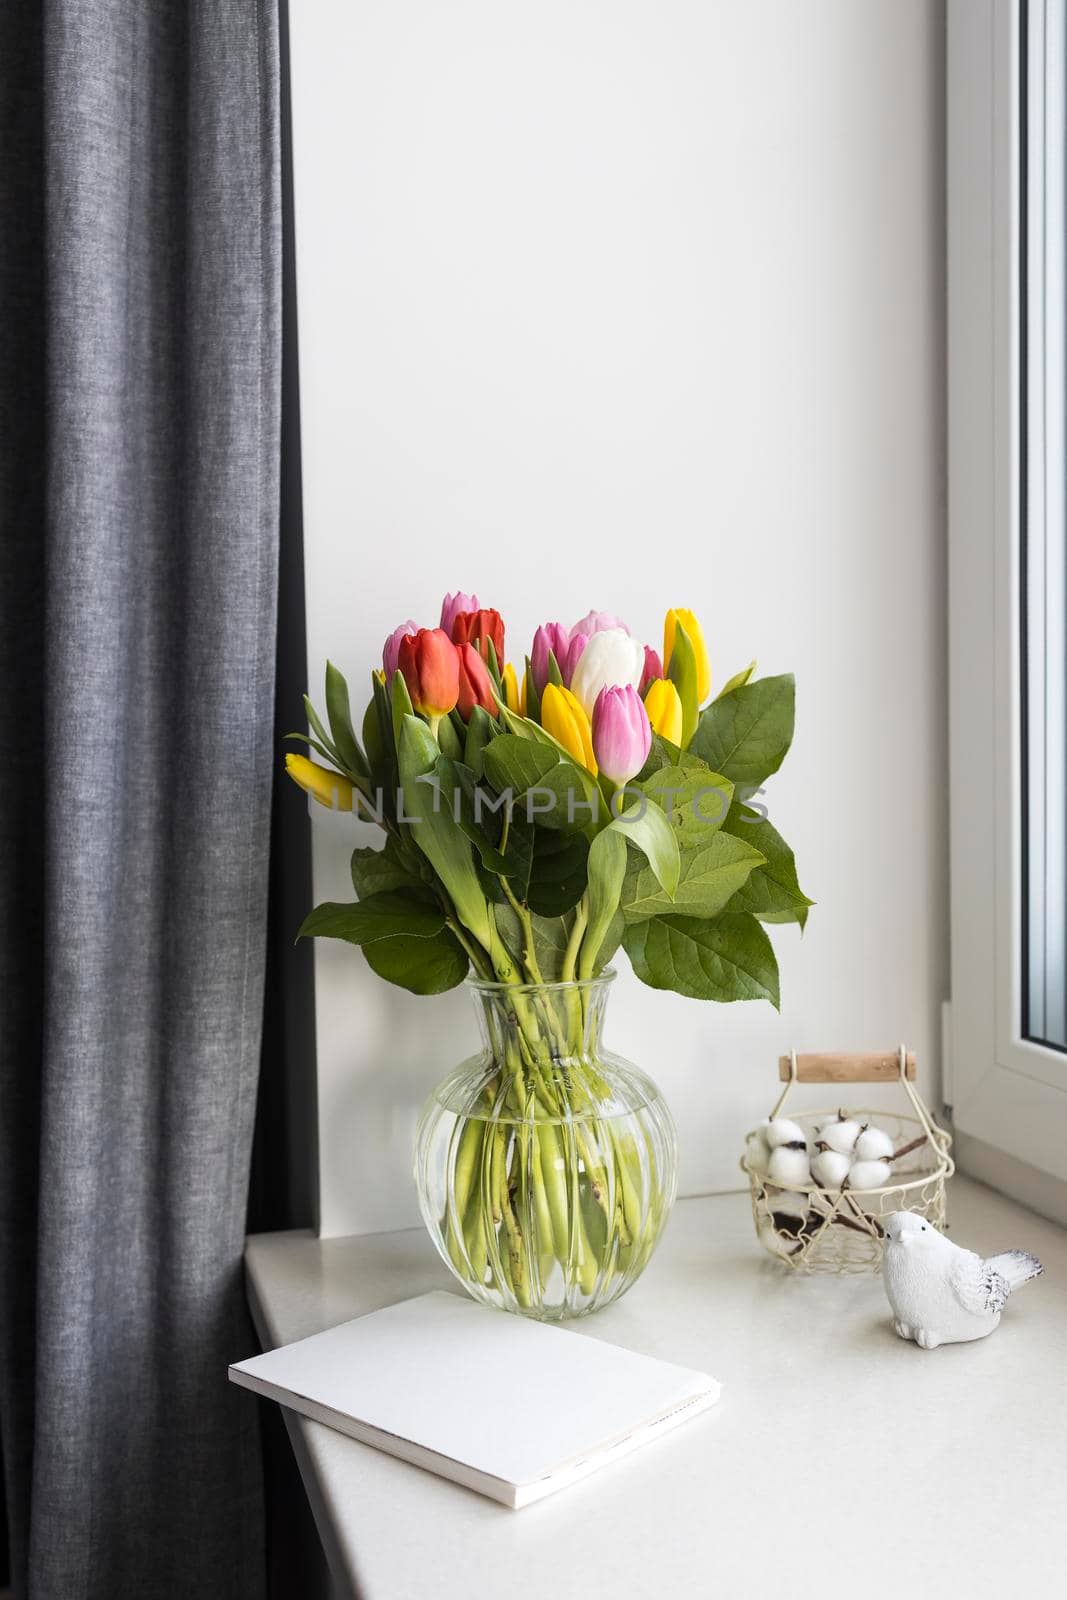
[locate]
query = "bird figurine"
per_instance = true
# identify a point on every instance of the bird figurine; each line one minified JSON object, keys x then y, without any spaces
{"x":941,"y":1294}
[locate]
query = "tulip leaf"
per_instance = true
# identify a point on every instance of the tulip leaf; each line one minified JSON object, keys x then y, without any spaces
{"x":533,"y":699}
{"x":554,"y":674}
{"x":746,"y":735}
{"x":422,"y":966}
{"x":711,"y":874}
{"x":694,"y":799}
{"x":492,"y":664}
{"x":724,"y":958}
{"x":738,"y":680}
{"x":380,"y":916}
{"x":435,"y":832}
{"x":550,"y":936}
{"x":480,"y":732}
{"x":340,"y":714}
{"x":545,"y":785}
{"x":449,"y":740}
{"x":682,"y":672}
{"x":317,"y":728}
{"x":646,"y":827}
{"x":372,"y":740}
{"x":400,"y":707}
{"x":771,"y":892}
{"x":315,"y":745}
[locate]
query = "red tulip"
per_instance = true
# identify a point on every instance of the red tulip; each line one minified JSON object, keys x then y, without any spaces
{"x":430,"y":664}
{"x":477,"y":628}
{"x":475,"y":684}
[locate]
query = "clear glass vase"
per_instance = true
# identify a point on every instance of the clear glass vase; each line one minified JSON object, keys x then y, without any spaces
{"x":546,"y":1166}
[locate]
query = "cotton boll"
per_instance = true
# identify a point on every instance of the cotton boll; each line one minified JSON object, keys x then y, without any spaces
{"x":756,"y":1151}
{"x":782,"y":1131}
{"x":873,"y":1144}
{"x":789,"y":1164}
{"x":773,"y":1241}
{"x":830,"y":1168}
{"x":841,"y":1134}
{"x":868,"y":1175}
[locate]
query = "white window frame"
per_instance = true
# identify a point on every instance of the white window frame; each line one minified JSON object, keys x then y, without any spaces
{"x":1007,"y":1092}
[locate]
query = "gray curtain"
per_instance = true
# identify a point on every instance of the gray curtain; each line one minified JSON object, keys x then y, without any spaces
{"x":139,"y":415}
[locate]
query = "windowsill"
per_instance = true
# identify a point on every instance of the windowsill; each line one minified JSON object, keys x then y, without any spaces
{"x":836,"y":1449}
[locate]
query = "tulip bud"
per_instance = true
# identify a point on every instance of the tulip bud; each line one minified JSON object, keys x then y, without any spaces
{"x":477,"y":628}
{"x":610,"y":658}
{"x":551,"y":636}
{"x":475,"y":684}
{"x":597,"y":622}
{"x":452,"y":605}
{"x":330,"y":789}
{"x":391,"y":650}
{"x":696,"y":638}
{"x":510,"y":685}
{"x":575,"y":645}
{"x":653,"y":669}
{"x":622,"y":736}
{"x":562,"y":716}
{"x":663,"y":705}
{"x":429,"y":664}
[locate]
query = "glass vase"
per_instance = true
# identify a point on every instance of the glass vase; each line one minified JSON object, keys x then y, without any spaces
{"x":546,"y":1166}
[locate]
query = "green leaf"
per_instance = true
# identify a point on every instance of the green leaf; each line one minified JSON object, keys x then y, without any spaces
{"x":746,"y":735}
{"x":558,"y":871}
{"x":738,"y":680}
{"x":375,"y":871}
{"x":610,"y":942}
{"x":423,"y":966}
{"x":373,"y":743}
{"x":315,"y":745}
{"x":340,"y":715}
{"x":546,"y":786}
{"x":380,"y":916}
{"x":711,"y":874}
{"x":682,"y":672}
{"x":645,"y":827}
{"x":694,"y":799}
{"x":400,"y":707}
{"x":448,"y":739}
{"x":433,"y":830}
{"x":533,"y":699}
{"x":771,"y":892}
{"x":724,"y":958}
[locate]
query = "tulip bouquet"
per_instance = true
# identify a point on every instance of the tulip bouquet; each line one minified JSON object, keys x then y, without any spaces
{"x":532,"y":828}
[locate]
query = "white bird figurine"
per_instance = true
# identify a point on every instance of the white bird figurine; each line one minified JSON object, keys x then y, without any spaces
{"x":939,"y":1293}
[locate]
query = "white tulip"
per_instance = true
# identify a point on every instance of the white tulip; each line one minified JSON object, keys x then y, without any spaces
{"x":611,"y":659}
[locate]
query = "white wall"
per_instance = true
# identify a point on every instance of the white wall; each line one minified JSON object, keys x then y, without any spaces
{"x":630,"y":305}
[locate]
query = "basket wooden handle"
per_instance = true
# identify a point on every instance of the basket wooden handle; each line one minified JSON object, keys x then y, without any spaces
{"x":842,"y":1066}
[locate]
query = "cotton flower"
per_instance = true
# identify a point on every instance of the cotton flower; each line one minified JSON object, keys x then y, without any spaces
{"x":611,"y":659}
{"x":840,"y":1134}
{"x":868,"y":1175}
{"x":873,"y":1144}
{"x":782,"y":1131}
{"x":756,"y":1151}
{"x":829,"y":1168}
{"x":622,"y":736}
{"x":789,"y":1165}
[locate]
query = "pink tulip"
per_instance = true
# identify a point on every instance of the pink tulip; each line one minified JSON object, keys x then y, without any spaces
{"x":452,"y":605}
{"x":575,"y":645}
{"x":653,"y":669}
{"x":622,"y":736}
{"x":391,"y":651}
{"x":597,"y":622}
{"x":551,"y":636}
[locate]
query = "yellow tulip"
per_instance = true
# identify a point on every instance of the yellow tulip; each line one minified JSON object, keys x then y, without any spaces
{"x":330,"y":789}
{"x":664,"y":706}
{"x":510,"y":685}
{"x":563,"y":717}
{"x":696,"y":639}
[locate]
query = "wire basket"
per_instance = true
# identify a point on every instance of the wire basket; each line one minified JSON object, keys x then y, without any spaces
{"x":810,"y":1229}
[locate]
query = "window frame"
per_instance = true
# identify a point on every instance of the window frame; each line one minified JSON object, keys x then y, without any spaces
{"x":1006,"y":1090}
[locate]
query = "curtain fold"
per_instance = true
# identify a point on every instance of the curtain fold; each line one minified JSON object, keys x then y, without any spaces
{"x":140,"y":275}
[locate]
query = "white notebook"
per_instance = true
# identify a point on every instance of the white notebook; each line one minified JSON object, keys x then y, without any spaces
{"x":513,"y":1408}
